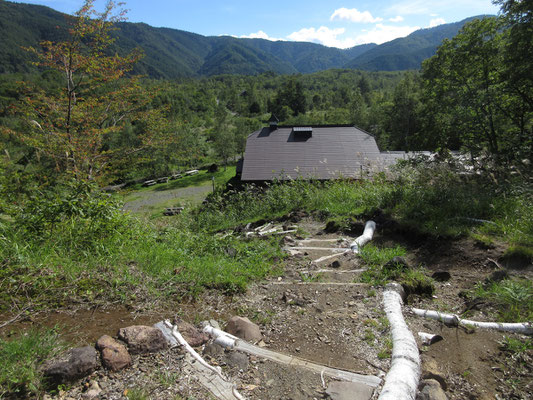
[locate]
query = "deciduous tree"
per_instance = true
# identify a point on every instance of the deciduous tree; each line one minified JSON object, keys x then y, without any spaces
{"x":98,"y":96}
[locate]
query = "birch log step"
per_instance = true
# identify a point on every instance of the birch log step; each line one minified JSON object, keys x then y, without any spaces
{"x":524,"y":328}
{"x":402,"y":379}
{"x":229,"y":341}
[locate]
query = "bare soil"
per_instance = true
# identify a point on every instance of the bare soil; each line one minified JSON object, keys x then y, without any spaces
{"x":329,"y":318}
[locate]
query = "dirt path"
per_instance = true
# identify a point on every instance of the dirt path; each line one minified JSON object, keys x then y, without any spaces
{"x":322,"y":313}
{"x":149,"y":201}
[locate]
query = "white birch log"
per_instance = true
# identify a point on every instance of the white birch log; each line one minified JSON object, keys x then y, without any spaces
{"x":222,"y":381}
{"x":429,"y":338}
{"x":524,"y":328}
{"x":325,"y":258}
{"x":231,"y":342}
{"x":402,"y":379}
{"x":368,"y":233}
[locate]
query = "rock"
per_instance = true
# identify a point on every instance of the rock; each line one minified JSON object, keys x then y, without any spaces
{"x":431,"y":371}
{"x":338,"y":390}
{"x":115,"y":356}
{"x":397,"y":263}
{"x":93,"y":391}
{"x":143,"y":339}
{"x":497,"y":276}
{"x":213,"y":350}
{"x":237,"y":360}
{"x":243,"y":328}
{"x":441,"y":276}
{"x":332,"y":227}
{"x":336,"y":264}
{"x":193,"y":336}
{"x":430,"y":390}
{"x":75,"y":364}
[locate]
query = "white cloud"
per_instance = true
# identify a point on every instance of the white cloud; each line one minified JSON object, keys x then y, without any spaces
{"x":259,"y":35}
{"x":354,"y":15}
{"x":398,"y":18}
{"x":384,"y":33}
{"x":436,"y":22}
{"x":323,"y":35}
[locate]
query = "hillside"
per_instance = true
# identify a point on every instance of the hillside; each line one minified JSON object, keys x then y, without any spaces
{"x":173,"y":53}
{"x":408,"y":52}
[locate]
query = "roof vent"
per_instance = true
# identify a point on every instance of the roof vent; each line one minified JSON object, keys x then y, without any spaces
{"x":273,"y":121}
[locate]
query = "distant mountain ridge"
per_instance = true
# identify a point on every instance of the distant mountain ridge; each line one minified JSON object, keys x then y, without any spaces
{"x":173,"y":53}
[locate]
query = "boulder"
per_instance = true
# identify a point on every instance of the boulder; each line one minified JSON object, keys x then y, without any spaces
{"x":143,"y":339}
{"x":75,"y":364}
{"x":243,"y":328}
{"x":192,"y":335}
{"x":430,"y":390}
{"x":114,"y":355}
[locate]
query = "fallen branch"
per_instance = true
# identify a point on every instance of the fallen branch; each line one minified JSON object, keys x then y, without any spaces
{"x":15,"y":318}
{"x":320,"y":248}
{"x":401,"y":381}
{"x":451,"y":319}
{"x":218,"y":387}
{"x":339,"y":271}
{"x":231,"y":342}
{"x":322,"y":240}
{"x":368,"y":233}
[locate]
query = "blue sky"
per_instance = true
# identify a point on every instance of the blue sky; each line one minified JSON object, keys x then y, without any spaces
{"x":332,"y":23}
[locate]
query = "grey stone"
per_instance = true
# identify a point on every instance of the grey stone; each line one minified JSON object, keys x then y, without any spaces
{"x":238,"y":360}
{"x":115,"y":356}
{"x":143,"y":339}
{"x":93,"y":392}
{"x":213,"y":350}
{"x":75,"y":364}
{"x":430,"y":390}
{"x":338,"y":390}
{"x":243,"y":328}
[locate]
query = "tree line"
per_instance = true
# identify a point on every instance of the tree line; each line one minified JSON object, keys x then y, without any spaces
{"x":87,"y":116}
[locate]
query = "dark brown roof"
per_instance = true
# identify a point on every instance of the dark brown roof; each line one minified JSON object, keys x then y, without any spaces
{"x":328,"y":152}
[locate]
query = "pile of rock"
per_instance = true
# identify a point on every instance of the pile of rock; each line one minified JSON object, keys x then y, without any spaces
{"x":113,"y":354}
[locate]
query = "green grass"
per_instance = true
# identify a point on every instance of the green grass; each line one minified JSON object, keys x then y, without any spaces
{"x":512,"y":298}
{"x":20,"y":360}
{"x":71,"y":245}
{"x":202,"y":178}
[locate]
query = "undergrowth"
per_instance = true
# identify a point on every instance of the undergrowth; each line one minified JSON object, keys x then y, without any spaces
{"x":21,"y":358}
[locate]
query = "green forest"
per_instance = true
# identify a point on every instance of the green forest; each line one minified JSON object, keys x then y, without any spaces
{"x":81,"y":118}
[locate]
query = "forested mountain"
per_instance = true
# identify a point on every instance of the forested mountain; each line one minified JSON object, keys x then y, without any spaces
{"x":408,"y":52}
{"x":172,"y":53}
